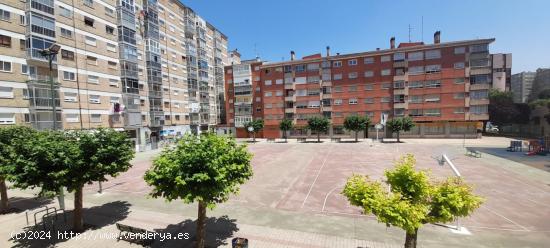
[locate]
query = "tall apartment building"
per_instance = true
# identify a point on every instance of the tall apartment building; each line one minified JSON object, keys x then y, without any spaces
{"x":146,"y":67}
{"x":541,"y":82}
{"x":521,"y":86}
{"x":442,"y":86}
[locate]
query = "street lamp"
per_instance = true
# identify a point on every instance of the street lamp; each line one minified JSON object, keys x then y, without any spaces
{"x":50,"y":53}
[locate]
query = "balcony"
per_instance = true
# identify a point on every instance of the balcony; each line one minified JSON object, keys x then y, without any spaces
{"x":290,"y":98}
{"x":404,"y":91}
{"x":326,"y":83}
{"x":132,"y":119}
{"x":401,"y":105}
{"x":480,"y":86}
{"x":400,"y":64}
{"x":326,"y":108}
{"x":479,"y":101}
{"x":290,"y":86}
{"x":478,"y":117}
{"x":326,"y":96}
{"x":400,"y":77}
{"x":290,"y":110}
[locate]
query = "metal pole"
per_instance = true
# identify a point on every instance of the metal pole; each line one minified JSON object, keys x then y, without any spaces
{"x":54,"y":116}
{"x":100,"y":188}
{"x":61,"y":198}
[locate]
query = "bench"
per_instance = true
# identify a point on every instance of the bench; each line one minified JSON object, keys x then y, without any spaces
{"x":334,"y":139}
{"x":139,"y":235}
{"x":301,"y":139}
{"x":473,"y":153}
{"x":270,"y":140}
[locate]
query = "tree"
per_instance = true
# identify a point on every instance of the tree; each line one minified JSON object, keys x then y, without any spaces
{"x":11,"y":156}
{"x":356,"y":123}
{"x":413,"y":200}
{"x":74,"y":159}
{"x":318,"y":124}
{"x":396,"y":125}
{"x":205,"y":169}
{"x":257,"y":125}
{"x":502,"y":109}
{"x":285,"y":125}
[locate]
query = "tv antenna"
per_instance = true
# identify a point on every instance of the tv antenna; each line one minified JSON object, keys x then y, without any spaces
{"x":410,"y":32}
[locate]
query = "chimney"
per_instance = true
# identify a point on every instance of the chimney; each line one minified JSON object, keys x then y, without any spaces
{"x":292,"y":55}
{"x":337,"y":54}
{"x":437,"y":37}
{"x":378,"y":49}
{"x":392,"y":43}
{"x":328,"y":51}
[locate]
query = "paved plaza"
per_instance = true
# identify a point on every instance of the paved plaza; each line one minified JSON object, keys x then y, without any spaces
{"x":294,"y":200}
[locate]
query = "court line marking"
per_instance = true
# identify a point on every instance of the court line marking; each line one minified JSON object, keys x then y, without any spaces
{"x":328,"y":194}
{"x":511,"y":221}
{"x":316,"y":177}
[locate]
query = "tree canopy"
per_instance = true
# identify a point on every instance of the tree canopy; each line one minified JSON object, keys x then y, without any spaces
{"x":356,"y":123}
{"x":318,"y":125}
{"x":285,"y":125}
{"x":413,"y":200}
{"x":396,"y":125}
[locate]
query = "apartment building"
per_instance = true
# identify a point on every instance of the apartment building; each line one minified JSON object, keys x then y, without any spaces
{"x":442,"y":86}
{"x":150,"y":68}
{"x":521,"y":86}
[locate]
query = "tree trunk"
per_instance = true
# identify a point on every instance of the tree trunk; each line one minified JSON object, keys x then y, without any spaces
{"x":410,"y":239}
{"x":356,"y":133}
{"x":4,"y":195}
{"x":78,"y":220}
{"x":398,"y":141}
{"x":284,"y":132}
{"x":201,"y":225}
{"x":318,"y":137}
{"x":254,"y":138}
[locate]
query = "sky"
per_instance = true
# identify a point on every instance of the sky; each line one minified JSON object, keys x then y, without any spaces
{"x":271,"y":29}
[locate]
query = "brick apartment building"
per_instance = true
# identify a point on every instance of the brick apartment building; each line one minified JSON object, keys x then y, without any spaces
{"x":442,"y":86}
{"x":147,"y":67}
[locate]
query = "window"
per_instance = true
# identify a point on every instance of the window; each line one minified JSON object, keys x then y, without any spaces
{"x":90,"y":41}
{"x":113,"y":83}
{"x":7,"y":118}
{"x":337,"y":64}
{"x":415,"y":112}
{"x":478,"y":109}
{"x":67,"y":55}
{"x":109,"y":29}
{"x":352,"y":75}
{"x":416,"y":84}
{"x":480,"y":62}
{"x":432,"y":112}
{"x":5,"y":41}
{"x":4,"y":15}
{"x":432,"y":98}
{"x":114,"y":99}
{"x":93,"y":79}
{"x":385,"y":72}
{"x":314,"y":104}
{"x":385,"y":58}
{"x":416,"y":56}
{"x":24,"y":69}
{"x":22,"y":44}
{"x":414,"y":70}
{"x":300,"y":80}
{"x":6,"y":92}
{"x":5,"y":66}
{"x":459,"y":80}
{"x":96,"y":99}
{"x":369,"y":86}
{"x":313,"y":67}
{"x":352,"y":101}
{"x":352,"y":62}
{"x":479,"y":94}
{"x":460,"y":50}
{"x":385,"y":99}
{"x":458,"y":110}
{"x":267,"y":82}
{"x":398,"y":56}
{"x":433,"y":84}
{"x":459,"y":65}
{"x":71,"y":117}
{"x":480,"y":79}
{"x":399,"y":112}
{"x":268,"y":105}
{"x":399,"y":84}
{"x":268,"y":93}
{"x":89,"y":3}
{"x":337,"y":76}
{"x":95,"y":118}
{"x":69,"y":76}
{"x":369,"y":73}
{"x":301,"y":92}
{"x":368,"y":60}
{"x":479,"y":48}
{"x":22,"y":20}
{"x":385,"y":85}
{"x":66,"y":33}
{"x":352,"y":88}
{"x":399,"y":98}
{"x":415,"y":99}
{"x":111,"y":47}
{"x":337,"y":101}
{"x":91,"y":60}
{"x":369,"y":100}
{"x":89,"y":21}
{"x":433,"y":54}
{"x":433,"y":68}
{"x":65,"y":12}
{"x":338,"y":89}
{"x":313,"y":92}
{"x":112,"y":64}
{"x":278,"y":93}
{"x":313,"y":79}
{"x":459,"y":95}
{"x":109,"y":12}
{"x":279,"y":81}
{"x":70,"y":97}
{"x":300,"y":68}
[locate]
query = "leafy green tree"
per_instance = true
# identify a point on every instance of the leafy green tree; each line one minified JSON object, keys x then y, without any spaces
{"x":205,"y":169}
{"x":502,"y":109}
{"x":11,"y":156}
{"x":318,"y":124}
{"x":257,"y":125}
{"x":396,"y":125}
{"x":413,"y":200}
{"x":356,"y":123}
{"x":286,"y":125}
{"x":74,"y":159}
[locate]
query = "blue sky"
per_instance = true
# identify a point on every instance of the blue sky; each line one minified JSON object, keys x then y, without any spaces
{"x":272,"y":28}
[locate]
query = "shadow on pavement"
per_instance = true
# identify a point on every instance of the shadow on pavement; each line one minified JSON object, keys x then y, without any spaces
{"x":218,"y":231}
{"x":95,"y":218}
{"x":536,"y":161}
{"x":21,"y":204}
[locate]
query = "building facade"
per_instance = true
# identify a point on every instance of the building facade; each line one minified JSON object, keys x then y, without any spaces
{"x":150,"y":68}
{"x":442,"y":86}
{"x":522,"y":84}
{"x":541,"y":83}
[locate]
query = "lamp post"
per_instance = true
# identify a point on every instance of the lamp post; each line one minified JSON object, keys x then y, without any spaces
{"x":50,"y":53}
